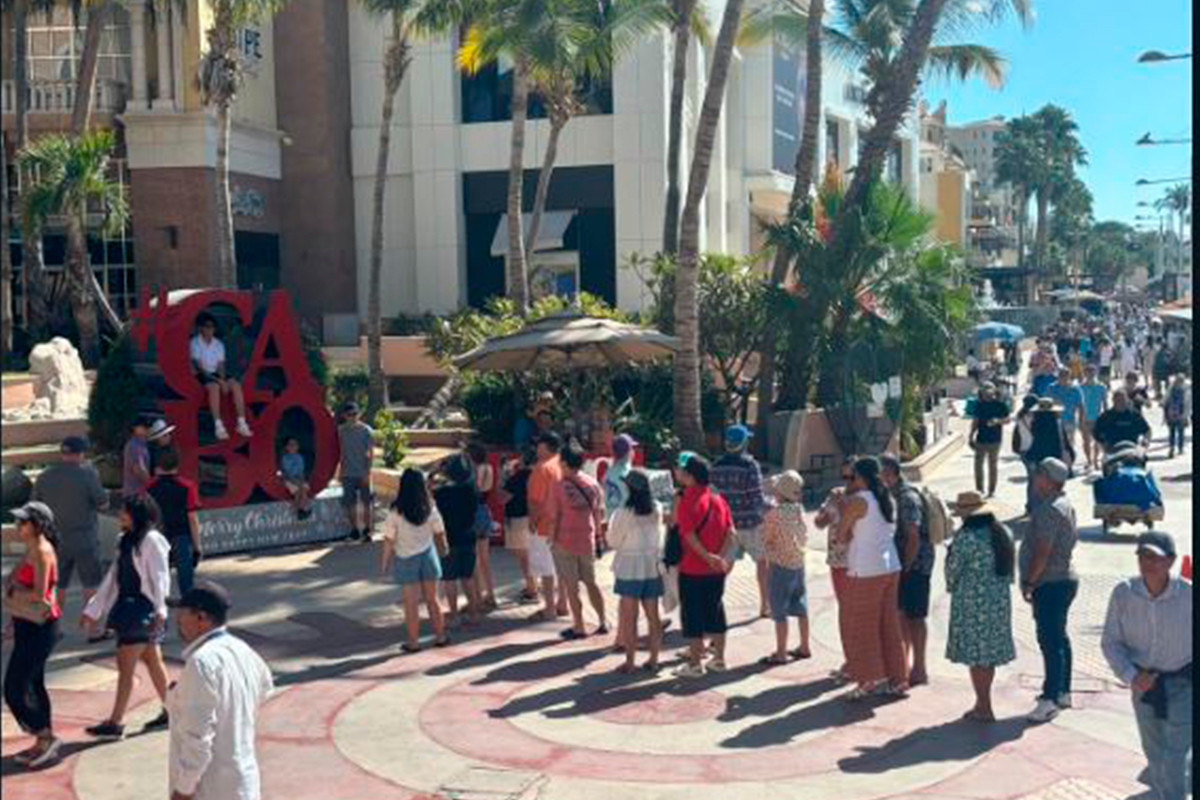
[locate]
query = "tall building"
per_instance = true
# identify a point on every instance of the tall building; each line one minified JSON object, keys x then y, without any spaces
{"x":946,"y":182}
{"x":305,"y":140}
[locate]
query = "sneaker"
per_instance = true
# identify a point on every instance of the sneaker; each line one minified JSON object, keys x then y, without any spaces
{"x":46,"y":756}
{"x":716,"y":665}
{"x":243,"y":429}
{"x":158,"y":723}
{"x":106,"y":730}
{"x":1063,"y":700}
{"x":690,"y":670}
{"x":1044,"y":711}
{"x":219,"y":430}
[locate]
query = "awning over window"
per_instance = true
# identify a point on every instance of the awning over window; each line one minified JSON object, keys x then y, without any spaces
{"x":550,"y":235}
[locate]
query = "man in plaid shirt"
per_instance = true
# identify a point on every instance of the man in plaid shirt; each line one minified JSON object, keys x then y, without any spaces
{"x":738,"y":478}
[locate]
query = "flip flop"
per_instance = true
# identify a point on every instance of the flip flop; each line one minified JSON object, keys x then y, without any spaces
{"x":626,"y":669}
{"x":410,"y":648}
{"x":442,"y":642}
{"x":800,"y":654}
{"x":772,"y":661}
{"x":571,"y":635}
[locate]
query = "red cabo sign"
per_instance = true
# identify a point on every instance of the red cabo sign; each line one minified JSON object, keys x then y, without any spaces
{"x":282,"y":398}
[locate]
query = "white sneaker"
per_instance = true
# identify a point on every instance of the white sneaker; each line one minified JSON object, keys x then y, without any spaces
{"x":689,"y":670}
{"x":243,"y":429}
{"x":1064,"y":700}
{"x":47,"y":756}
{"x":1044,"y":711}
{"x":219,"y":430}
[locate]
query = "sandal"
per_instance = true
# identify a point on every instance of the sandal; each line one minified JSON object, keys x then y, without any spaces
{"x":626,"y":669}
{"x":772,"y":660}
{"x":858,"y":693}
{"x":570,"y":634}
{"x":442,"y":642}
{"x":603,"y":629}
{"x":650,"y":666}
{"x":800,"y":653}
{"x":410,"y":648}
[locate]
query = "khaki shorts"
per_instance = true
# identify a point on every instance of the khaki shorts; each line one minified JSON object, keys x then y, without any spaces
{"x":517,"y":533}
{"x":573,"y":568}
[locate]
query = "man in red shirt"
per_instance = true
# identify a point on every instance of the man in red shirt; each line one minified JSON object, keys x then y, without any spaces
{"x":178,"y":499}
{"x":706,"y":533}
{"x":575,"y":511}
{"x":547,"y":473}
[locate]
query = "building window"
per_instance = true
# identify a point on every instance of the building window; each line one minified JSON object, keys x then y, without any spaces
{"x":833,"y":153}
{"x":487,"y":95}
{"x":56,"y":45}
{"x":893,"y":168}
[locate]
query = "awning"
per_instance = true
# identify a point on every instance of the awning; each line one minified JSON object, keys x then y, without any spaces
{"x":550,"y":235}
{"x":1183,"y":315}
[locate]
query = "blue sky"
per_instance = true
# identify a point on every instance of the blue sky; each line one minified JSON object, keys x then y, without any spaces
{"x":1082,"y":55}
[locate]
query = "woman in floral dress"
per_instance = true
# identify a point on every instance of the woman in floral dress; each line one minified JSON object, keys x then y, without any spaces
{"x":979,"y":576}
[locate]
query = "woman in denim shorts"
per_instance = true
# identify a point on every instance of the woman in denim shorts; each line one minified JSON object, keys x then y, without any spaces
{"x":413,"y":535}
{"x":635,"y":533}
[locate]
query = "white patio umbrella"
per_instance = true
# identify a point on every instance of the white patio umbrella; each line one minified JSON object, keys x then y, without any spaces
{"x":569,"y":340}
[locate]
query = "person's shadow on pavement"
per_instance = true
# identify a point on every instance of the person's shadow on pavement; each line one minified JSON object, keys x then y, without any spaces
{"x":955,"y":740}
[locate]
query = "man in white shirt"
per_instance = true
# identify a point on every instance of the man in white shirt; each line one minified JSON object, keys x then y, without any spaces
{"x":214,"y":705}
{"x":208,"y":359}
{"x":1147,"y":641}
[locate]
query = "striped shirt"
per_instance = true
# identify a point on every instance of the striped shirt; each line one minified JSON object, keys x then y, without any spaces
{"x":1144,"y":632}
{"x":738,"y":478}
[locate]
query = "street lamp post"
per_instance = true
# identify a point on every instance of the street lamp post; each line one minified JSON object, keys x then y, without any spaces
{"x":1155,"y":56}
{"x":1147,"y":139}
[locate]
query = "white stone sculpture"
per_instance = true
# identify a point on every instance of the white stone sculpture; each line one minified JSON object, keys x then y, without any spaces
{"x":60,"y":378}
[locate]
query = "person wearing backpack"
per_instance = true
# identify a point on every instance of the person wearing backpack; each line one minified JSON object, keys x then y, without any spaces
{"x":917,"y":558}
{"x":987,"y":432}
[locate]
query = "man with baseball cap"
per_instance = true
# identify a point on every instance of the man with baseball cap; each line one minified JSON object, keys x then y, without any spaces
{"x":738,"y":477}
{"x":72,"y":490}
{"x":214,"y":705}
{"x":1049,"y":582}
{"x":1147,"y":641}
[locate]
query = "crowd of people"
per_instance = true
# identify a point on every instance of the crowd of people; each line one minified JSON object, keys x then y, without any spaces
{"x":883,"y":544}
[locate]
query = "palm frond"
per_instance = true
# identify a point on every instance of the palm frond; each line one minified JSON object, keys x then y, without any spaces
{"x":963,"y":61}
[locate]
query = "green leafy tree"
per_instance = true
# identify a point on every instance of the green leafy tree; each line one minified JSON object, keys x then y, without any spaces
{"x":1178,"y":201}
{"x":1016,"y":165}
{"x":72,"y":175}
{"x":1057,"y":152}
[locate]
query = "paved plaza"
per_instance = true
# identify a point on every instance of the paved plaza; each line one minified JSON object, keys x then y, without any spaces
{"x":512,"y":711}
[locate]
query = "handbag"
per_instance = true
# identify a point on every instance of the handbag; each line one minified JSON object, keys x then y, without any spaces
{"x":673,"y":547}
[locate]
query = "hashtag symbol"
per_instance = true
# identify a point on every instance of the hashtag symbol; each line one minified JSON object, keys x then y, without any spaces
{"x":147,"y":317}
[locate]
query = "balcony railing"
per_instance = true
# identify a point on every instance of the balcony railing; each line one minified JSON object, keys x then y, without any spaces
{"x":58,"y":97}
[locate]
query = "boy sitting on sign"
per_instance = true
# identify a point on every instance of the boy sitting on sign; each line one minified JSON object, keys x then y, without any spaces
{"x":292,"y":471}
{"x":208,"y":359}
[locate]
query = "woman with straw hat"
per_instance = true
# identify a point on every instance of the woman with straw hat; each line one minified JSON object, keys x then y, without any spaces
{"x":979,"y":577}
{"x":784,"y":539}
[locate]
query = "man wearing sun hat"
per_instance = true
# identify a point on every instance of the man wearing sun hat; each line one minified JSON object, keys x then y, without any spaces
{"x":738,"y":477}
{"x":1147,"y":641}
{"x":1049,"y":582}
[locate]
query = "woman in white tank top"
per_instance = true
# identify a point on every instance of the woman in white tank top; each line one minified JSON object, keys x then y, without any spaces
{"x":874,"y":649}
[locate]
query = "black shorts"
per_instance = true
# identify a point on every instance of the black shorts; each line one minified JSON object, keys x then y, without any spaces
{"x":914,"y":595}
{"x":459,"y":564}
{"x":702,"y":605}
{"x":356,"y":490}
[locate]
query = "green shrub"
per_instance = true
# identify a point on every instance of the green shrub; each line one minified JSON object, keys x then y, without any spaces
{"x":348,"y":384}
{"x":113,"y":403}
{"x":314,"y":355}
{"x":391,"y":437}
{"x":488,"y":399}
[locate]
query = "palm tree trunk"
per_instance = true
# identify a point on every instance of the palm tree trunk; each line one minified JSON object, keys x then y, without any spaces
{"x":518,"y":278}
{"x":1022,"y":209}
{"x":6,"y":306}
{"x":85,"y":86}
{"x":1039,"y":242}
{"x":895,"y":94}
{"x":688,"y":425}
{"x":394,"y":69}
{"x":226,"y":258}
{"x":436,"y":409}
{"x":79,"y":289}
{"x":543,"y":186}
{"x":805,"y":169}
{"x":682,"y":31}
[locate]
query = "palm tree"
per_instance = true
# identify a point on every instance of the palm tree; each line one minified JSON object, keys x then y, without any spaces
{"x":893,"y":87}
{"x":866,"y":35}
{"x":72,"y":174}
{"x":99,"y":13}
{"x":1016,"y":165}
{"x":687,"y":20}
{"x":584,"y":46}
{"x":1058,"y":151}
{"x":1177,"y":200}
{"x":221,"y":76}
{"x":408,"y":20}
{"x":688,"y":426}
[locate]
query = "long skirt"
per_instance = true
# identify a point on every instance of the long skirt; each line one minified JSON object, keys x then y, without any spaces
{"x":874,"y":649}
